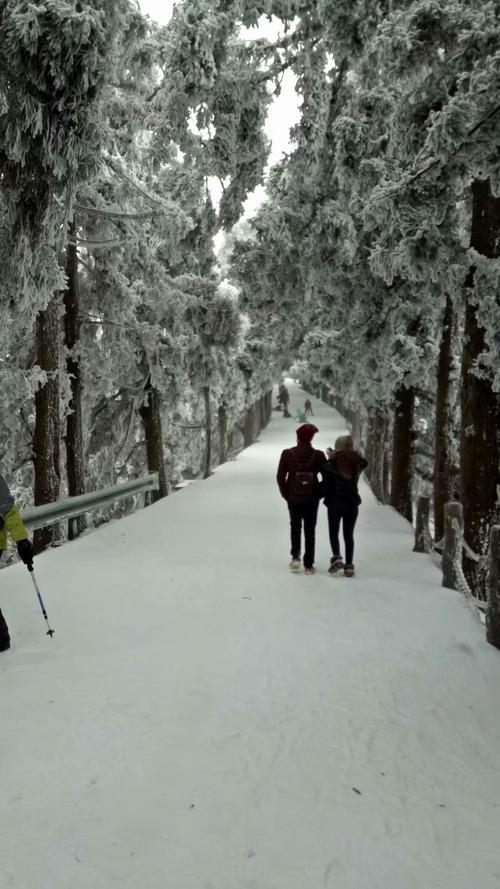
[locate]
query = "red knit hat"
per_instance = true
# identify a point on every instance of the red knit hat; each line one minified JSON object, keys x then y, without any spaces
{"x":306,"y":432}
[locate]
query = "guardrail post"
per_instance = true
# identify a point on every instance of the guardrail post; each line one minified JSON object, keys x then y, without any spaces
{"x":76,"y":526}
{"x":452,"y":549}
{"x":422,"y":532}
{"x":493,"y":612}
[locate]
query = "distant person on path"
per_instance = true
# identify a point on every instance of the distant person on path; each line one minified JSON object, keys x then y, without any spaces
{"x":299,"y":485}
{"x":10,"y":522}
{"x":284,"y":399}
{"x":308,"y":408}
{"x":341,"y":473}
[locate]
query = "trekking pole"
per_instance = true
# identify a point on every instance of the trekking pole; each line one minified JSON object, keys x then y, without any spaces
{"x":50,"y":631}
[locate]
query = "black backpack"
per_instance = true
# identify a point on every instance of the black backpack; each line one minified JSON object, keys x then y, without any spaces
{"x":302,"y":483}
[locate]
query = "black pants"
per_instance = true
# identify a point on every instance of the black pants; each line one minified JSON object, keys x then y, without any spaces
{"x":4,"y":634}
{"x":348,"y":516}
{"x":303,"y":514}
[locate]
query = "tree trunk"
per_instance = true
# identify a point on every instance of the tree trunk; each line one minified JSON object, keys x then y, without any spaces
{"x":256,"y":415}
{"x":46,"y":439}
{"x":269,"y":404}
{"x":223,"y":442}
{"x":150,"y":414}
{"x":249,"y":427}
{"x":375,"y":455}
{"x":379,"y":458}
{"x":422,"y":532}
{"x":370,"y":445}
{"x":479,"y":445}
{"x":378,"y":475}
{"x":208,"y":432}
{"x":493,"y":613}
{"x":442,"y":491}
{"x":263,"y":411}
{"x":75,"y":468}
{"x":402,"y":453}
{"x":452,"y":548}
{"x":386,"y":464}
{"x":356,"y":429}
{"x":260,"y":412}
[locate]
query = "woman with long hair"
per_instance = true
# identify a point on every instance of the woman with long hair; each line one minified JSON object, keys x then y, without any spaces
{"x":341,"y":473}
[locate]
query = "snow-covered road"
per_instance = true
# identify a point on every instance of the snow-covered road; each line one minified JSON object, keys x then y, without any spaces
{"x":203,"y":719}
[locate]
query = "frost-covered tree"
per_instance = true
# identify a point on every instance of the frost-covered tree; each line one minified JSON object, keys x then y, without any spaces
{"x":447,"y":67}
{"x":55,"y":60}
{"x":380,"y":199}
{"x":373,"y":261}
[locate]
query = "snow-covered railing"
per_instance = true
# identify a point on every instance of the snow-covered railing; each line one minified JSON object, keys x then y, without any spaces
{"x":453,"y":548}
{"x":71,"y":507}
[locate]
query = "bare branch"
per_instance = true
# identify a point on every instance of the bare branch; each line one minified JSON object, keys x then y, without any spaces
{"x":127,"y":431}
{"x":117,"y":213}
{"x":86,"y":319}
{"x":145,"y":193}
{"x":81,"y":242}
{"x":155,"y":91}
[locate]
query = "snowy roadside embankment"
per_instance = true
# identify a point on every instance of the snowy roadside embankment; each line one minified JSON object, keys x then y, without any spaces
{"x":204,"y":719}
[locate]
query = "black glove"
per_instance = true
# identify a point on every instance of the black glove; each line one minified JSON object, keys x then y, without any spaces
{"x":25,"y":551}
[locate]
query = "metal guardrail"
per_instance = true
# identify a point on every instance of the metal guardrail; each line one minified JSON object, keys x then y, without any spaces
{"x":70,"y":507}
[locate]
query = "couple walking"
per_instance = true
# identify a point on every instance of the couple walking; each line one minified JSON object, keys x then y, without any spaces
{"x":300,"y":486}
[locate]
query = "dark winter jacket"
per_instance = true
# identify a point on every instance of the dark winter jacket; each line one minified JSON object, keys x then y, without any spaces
{"x":6,"y":498}
{"x":337,"y":489}
{"x":301,"y":458}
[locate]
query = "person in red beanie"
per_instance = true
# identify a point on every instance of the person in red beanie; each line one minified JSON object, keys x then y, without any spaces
{"x":299,"y":485}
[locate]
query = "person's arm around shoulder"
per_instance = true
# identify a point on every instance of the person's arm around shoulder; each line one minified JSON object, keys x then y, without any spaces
{"x":320,"y":462}
{"x":363,"y":462}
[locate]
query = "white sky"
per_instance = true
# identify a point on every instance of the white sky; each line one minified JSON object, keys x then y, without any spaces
{"x":161,"y":10}
{"x":284,"y":111}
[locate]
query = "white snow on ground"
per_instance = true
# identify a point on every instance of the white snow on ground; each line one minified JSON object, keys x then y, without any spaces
{"x":202,"y":718}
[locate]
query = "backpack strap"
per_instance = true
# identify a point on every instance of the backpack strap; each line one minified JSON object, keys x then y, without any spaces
{"x":298,"y":463}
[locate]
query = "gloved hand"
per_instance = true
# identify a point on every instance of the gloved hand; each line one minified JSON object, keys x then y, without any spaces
{"x":25,"y":551}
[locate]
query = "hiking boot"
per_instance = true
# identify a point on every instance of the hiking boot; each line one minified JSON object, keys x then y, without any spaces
{"x":336,"y":564}
{"x":295,"y":564}
{"x":309,"y":570}
{"x":348,"y":570}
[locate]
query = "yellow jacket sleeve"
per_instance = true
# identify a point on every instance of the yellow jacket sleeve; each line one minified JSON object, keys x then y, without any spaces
{"x":14,"y":526}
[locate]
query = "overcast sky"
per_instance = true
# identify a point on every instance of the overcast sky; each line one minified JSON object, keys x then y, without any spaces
{"x":161,"y":10}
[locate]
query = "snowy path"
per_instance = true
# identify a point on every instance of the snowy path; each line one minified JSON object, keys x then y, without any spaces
{"x":202,"y":718}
